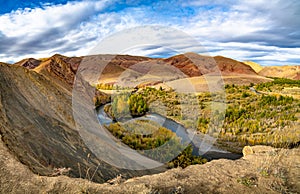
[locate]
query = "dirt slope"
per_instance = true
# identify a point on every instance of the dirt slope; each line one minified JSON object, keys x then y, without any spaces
{"x":255,"y":66}
{"x":290,"y":72}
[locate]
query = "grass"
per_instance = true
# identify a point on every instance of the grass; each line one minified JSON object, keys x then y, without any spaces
{"x":87,"y":170}
{"x":265,"y":172}
{"x":248,"y":180}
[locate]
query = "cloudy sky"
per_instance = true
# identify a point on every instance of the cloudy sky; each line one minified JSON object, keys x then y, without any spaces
{"x":267,"y":32}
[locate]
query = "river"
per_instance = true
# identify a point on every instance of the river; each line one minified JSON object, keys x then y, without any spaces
{"x":202,"y":145}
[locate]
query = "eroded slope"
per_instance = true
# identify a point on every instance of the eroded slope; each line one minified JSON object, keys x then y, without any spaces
{"x":36,"y":124}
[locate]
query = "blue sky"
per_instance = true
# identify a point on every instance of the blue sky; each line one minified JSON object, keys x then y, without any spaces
{"x":263,"y":31}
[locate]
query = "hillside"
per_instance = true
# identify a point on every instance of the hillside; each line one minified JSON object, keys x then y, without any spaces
{"x":29,"y":63}
{"x":37,"y":125}
{"x":193,"y":65}
{"x":60,"y":68}
{"x":290,"y":72}
{"x":229,"y":66}
{"x":255,"y":66}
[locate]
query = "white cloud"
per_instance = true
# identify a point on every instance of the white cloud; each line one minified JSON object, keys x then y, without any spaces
{"x":251,"y":30}
{"x":30,"y":22}
{"x":72,"y":29}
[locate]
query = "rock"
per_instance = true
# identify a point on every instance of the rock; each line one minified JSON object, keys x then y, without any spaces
{"x":119,"y":179}
{"x":262,"y":149}
{"x":247,"y":150}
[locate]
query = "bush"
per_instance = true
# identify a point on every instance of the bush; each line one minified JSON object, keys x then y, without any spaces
{"x":245,"y":95}
{"x":186,"y":158}
{"x":138,"y":105}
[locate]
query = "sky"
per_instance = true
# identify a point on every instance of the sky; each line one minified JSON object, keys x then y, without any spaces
{"x":263,"y":31}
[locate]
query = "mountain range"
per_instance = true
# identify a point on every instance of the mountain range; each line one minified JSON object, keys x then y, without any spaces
{"x":190,"y":64}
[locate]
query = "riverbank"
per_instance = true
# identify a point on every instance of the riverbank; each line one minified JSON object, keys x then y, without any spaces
{"x":201,"y":147}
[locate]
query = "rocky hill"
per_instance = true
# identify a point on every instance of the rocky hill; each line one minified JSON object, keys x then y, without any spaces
{"x":59,"y":68}
{"x":186,"y":63}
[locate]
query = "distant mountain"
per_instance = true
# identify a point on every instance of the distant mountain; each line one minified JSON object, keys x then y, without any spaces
{"x":29,"y":63}
{"x":255,"y":66}
{"x":186,"y":63}
{"x":64,"y":69}
{"x":193,"y":64}
{"x":290,"y":72}
{"x":128,"y":69}
{"x":131,"y":71}
{"x":60,"y":67}
{"x":227,"y":65}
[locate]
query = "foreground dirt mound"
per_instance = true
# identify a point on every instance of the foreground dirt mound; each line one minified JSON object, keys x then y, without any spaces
{"x":267,"y":170}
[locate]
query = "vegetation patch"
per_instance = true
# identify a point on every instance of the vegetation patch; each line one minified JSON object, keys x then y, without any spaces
{"x":143,"y":135}
{"x":248,"y":180}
